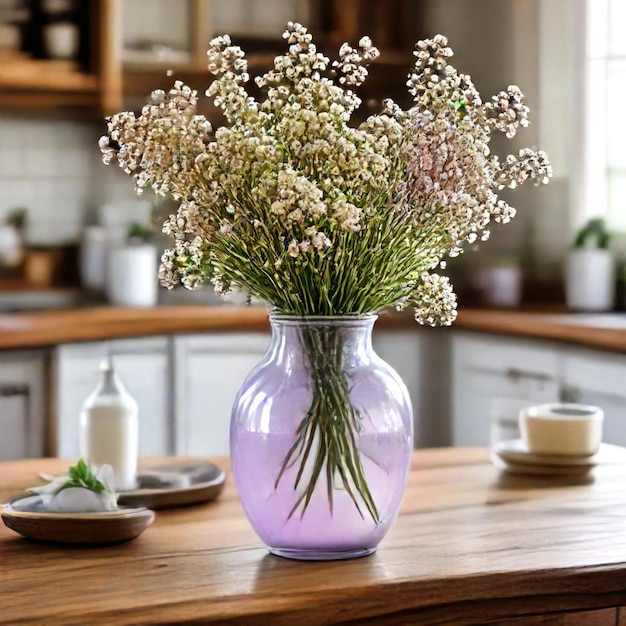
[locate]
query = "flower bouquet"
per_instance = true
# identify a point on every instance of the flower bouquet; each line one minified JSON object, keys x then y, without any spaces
{"x":322,"y":219}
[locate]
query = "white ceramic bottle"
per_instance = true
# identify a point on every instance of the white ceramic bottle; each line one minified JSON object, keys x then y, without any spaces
{"x":109,"y":428}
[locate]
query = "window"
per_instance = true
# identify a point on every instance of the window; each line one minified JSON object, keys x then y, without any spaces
{"x":605,"y":127}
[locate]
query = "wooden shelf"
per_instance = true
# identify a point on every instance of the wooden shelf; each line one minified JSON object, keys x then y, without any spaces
{"x":43,"y":75}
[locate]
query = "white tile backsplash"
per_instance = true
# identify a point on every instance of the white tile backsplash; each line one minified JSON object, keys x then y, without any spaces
{"x":53,"y":168}
{"x":11,"y":163}
{"x":40,"y":160}
{"x":71,"y":163}
{"x":14,"y":192}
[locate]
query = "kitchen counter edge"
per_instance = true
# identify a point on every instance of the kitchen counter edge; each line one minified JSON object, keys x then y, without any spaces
{"x":50,"y":328}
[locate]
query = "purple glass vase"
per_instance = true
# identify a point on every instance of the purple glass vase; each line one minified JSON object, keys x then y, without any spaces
{"x":321,"y":439}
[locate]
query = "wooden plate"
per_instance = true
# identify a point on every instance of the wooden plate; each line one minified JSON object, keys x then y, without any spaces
{"x":204,"y":482}
{"x":79,"y":528}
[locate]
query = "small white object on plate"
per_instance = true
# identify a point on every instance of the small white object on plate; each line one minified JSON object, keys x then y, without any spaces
{"x":80,"y":500}
{"x":54,"y":498}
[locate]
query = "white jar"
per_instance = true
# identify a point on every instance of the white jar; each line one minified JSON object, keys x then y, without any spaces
{"x":590,"y":280}
{"x":10,"y":246}
{"x":109,"y":429}
{"x":93,"y":257}
{"x":501,"y":286}
{"x":132,"y":275}
{"x":61,"y":40}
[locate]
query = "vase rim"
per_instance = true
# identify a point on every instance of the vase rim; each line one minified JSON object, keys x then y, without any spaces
{"x":320,"y":320}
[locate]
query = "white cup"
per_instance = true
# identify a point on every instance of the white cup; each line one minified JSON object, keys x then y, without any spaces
{"x":562,"y":429}
{"x":61,"y":40}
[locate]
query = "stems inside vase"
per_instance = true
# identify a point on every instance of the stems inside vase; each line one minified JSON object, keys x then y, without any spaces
{"x":327,"y":437}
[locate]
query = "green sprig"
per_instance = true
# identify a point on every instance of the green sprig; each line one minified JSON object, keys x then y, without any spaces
{"x":81,"y":476}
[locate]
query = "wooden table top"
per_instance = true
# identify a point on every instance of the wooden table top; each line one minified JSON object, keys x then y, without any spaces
{"x":469,"y":546}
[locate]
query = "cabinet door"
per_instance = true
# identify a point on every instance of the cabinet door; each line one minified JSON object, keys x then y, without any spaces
{"x":210,"y":370}
{"x":421,"y":357}
{"x":142,"y":365}
{"x":492,"y":378}
{"x":22,"y":405}
{"x":401,"y":350}
{"x":598,"y":378}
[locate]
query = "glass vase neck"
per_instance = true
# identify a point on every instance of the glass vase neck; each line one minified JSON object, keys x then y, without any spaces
{"x":294,"y":337}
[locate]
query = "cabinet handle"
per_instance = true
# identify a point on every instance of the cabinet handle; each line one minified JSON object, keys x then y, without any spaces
{"x":570,"y":394}
{"x":14,"y":389}
{"x":21,"y":390}
{"x":516,"y":375}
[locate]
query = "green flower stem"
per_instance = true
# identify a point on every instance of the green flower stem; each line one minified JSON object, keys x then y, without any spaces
{"x":334,"y":422}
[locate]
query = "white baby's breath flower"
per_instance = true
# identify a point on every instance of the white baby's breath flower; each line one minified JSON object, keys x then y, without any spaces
{"x":293,"y":249}
{"x":437,"y":301}
{"x":288,"y":185}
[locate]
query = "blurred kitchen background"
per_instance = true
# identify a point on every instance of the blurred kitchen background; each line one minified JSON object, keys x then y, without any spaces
{"x":67,"y":63}
{"x":67,"y":222}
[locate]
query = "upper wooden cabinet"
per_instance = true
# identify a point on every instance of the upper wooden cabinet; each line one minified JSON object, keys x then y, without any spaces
{"x":158,"y":50}
{"x":68,"y":56}
{"x":126,"y":48}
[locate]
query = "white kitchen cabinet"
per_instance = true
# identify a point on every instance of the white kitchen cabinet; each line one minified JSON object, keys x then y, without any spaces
{"x":22,"y":405}
{"x":408,"y":351}
{"x":401,"y":349}
{"x":144,"y":368}
{"x":492,"y":378}
{"x":598,"y":378}
{"x":210,"y":369}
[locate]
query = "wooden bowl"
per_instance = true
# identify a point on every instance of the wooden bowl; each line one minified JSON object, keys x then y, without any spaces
{"x":79,"y":528}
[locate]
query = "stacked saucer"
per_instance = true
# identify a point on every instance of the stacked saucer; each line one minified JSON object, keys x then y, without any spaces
{"x":513,"y":456}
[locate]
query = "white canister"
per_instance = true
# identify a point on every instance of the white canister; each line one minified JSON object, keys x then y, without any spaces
{"x":109,"y":429}
{"x":93,"y":257}
{"x":590,"y":280}
{"x":10,"y":246}
{"x":501,"y":285}
{"x":132,"y":275}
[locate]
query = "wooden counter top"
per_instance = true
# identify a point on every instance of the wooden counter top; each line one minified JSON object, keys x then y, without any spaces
{"x":45,"y":328}
{"x":49,"y":328}
{"x":471,"y":546}
{"x":603,"y":330}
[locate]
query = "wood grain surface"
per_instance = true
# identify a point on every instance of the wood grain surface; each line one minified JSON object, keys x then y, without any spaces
{"x":471,"y":546}
{"x":49,"y":328}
